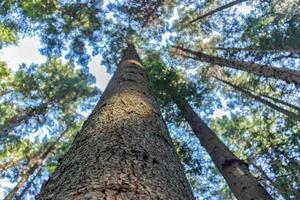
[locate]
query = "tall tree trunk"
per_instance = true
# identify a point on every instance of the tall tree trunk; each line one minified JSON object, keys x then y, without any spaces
{"x":217,"y":10}
{"x":29,"y":184}
{"x":236,"y":173}
{"x":36,"y":163}
{"x":279,"y":101}
{"x":291,"y":115}
{"x":12,"y":123}
{"x":288,"y":75}
{"x":289,"y":50}
{"x":280,"y":190}
{"x":9,"y":164}
{"x":124,"y":150}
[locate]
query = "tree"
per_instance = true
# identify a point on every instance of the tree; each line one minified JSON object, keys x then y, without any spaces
{"x":235,"y":171}
{"x":85,"y":28}
{"x":35,"y":164}
{"x":290,"y":114}
{"x":233,"y":3}
{"x":52,"y":84}
{"x":118,"y":146}
{"x":257,"y":139}
{"x":288,"y":75}
{"x":29,"y":184}
{"x":252,"y":49}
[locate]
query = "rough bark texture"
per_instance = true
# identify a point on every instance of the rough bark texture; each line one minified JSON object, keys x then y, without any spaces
{"x":218,"y":10}
{"x":291,"y":115}
{"x":236,"y":173}
{"x":123,"y":150}
{"x":288,"y":75}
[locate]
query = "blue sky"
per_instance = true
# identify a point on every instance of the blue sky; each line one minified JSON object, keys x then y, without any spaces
{"x":26,"y":51}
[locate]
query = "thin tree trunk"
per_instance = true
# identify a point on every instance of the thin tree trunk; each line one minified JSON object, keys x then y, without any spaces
{"x":236,"y":173}
{"x":12,"y":123}
{"x":282,"y":102}
{"x":9,"y":164}
{"x":217,"y":10}
{"x":291,"y":115}
{"x":29,"y":184}
{"x":272,"y":183}
{"x":124,"y":150}
{"x":36,"y":163}
{"x":288,"y":75}
{"x":254,"y":49}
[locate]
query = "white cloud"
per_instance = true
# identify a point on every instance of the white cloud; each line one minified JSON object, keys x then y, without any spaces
{"x":27,"y":52}
{"x":102,"y":77}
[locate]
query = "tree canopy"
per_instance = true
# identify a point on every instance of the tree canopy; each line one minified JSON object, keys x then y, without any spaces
{"x":237,"y":63}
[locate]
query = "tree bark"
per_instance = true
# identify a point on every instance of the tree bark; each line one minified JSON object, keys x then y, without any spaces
{"x":36,"y":163}
{"x":217,"y":10}
{"x":9,"y":164}
{"x":291,"y":115}
{"x":282,"y":102}
{"x":124,"y":150}
{"x":288,"y":75}
{"x":291,"y":50}
{"x":28,"y":185}
{"x":236,"y":173}
{"x":280,"y":190}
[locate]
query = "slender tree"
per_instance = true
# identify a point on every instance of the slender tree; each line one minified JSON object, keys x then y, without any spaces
{"x":29,"y":184}
{"x":290,"y":114}
{"x":236,"y":173}
{"x":123,"y":150}
{"x":36,"y":163}
{"x":288,"y":75}
{"x":279,"y":101}
{"x":16,"y":152}
{"x":241,"y":182}
{"x":23,"y":117}
{"x":251,"y":138}
{"x":233,"y":3}
{"x":12,"y":162}
{"x":279,"y":189}
{"x":39,"y":86}
{"x":251,"y":49}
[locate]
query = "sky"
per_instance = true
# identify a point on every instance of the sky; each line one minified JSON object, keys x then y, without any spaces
{"x":27,"y":51}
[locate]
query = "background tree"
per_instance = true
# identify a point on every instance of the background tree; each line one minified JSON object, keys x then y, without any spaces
{"x":261,"y":32}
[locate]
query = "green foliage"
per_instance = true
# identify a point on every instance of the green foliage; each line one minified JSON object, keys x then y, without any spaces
{"x":7,"y":36}
{"x":255,"y":138}
{"x":168,"y":84}
{"x":54,"y":85}
{"x":192,"y":164}
{"x":270,"y":33}
{"x":185,"y":153}
{"x":256,"y":134}
{"x":38,"y":9}
{"x":5,"y":78}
